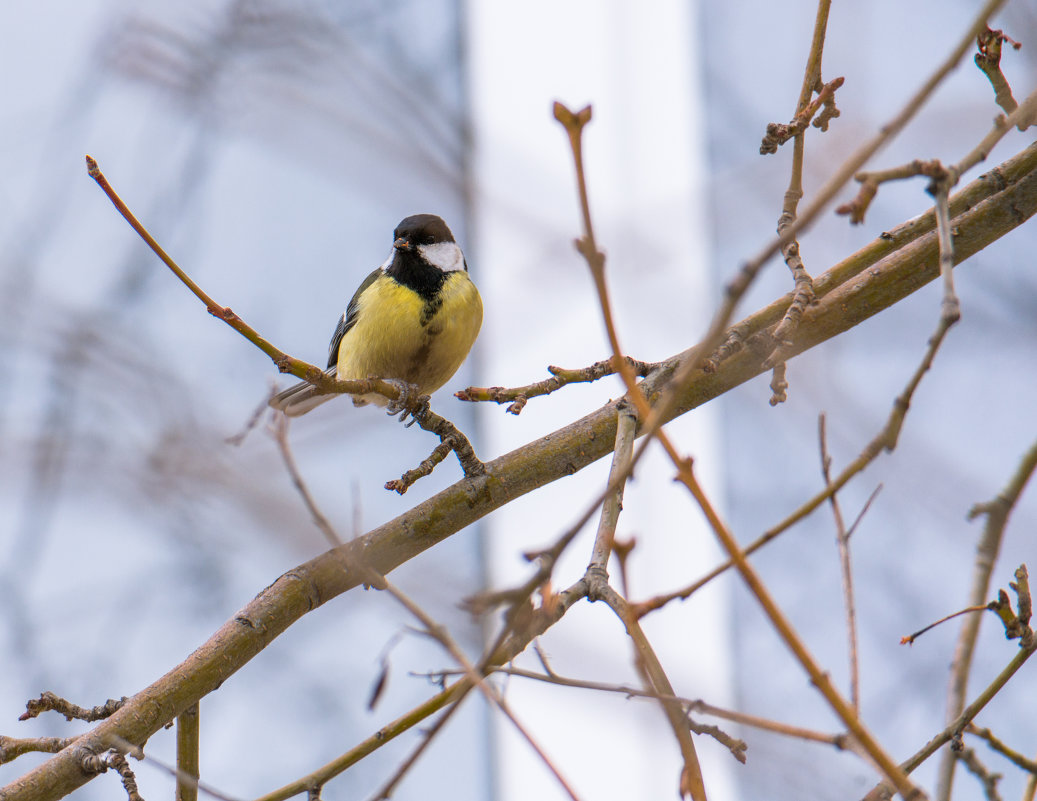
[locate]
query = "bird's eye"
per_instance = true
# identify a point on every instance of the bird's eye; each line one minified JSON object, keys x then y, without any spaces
{"x":428,"y":240}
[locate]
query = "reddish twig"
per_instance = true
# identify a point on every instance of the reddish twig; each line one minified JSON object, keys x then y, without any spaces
{"x":778,"y":133}
{"x":988,"y":59}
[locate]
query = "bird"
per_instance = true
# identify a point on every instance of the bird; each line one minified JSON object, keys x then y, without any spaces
{"x":413,"y":320}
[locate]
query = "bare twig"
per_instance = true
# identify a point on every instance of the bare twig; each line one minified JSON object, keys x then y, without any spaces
{"x":1016,"y":621}
{"x":691,"y":777}
{"x":13,"y":747}
{"x":187,"y":741}
{"x":968,"y":610}
{"x":779,"y":383}
{"x":1022,"y":117}
{"x":284,"y":363}
{"x":1030,"y":793}
{"x":820,"y":678}
{"x":691,"y":781}
{"x":778,"y":134}
{"x":280,"y":432}
{"x":869,"y":148}
{"x":450,"y":439}
{"x":690,"y":705}
{"x":989,"y":780}
{"x":172,"y":770}
{"x":560,"y":377}
{"x":476,"y":676}
{"x":424,"y":468}
{"x":887,"y":437}
{"x":884,"y":790}
{"x":49,"y":701}
{"x":870,"y":181}
{"x":988,"y":59}
{"x":385,"y":735}
{"x":1029,"y":765}
{"x":987,"y":549}
{"x":587,"y":245}
{"x":626,"y":430}
{"x":842,"y":537}
{"x":116,"y":761}
{"x":428,"y":735}
{"x":691,"y":360}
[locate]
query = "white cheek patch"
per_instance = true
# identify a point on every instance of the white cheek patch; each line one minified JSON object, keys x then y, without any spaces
{"x":444,"y":255}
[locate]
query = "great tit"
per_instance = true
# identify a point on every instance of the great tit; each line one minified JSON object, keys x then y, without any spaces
{"x":414,"y":319}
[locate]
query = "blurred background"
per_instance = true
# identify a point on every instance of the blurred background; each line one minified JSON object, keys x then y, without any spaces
{"x":271,"y":147}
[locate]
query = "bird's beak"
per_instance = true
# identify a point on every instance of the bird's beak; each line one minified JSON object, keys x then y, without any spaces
{"x":402,"y":244}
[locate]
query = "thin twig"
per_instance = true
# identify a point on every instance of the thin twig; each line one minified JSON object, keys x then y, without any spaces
{"x":886,"y":439}
{"x":1022,"y":117}
{"x":842,"y":538}
{"x":803,"y":294}
{"x":988,"y":59}
{"x":987,"y":550}
{"x":779,"y":381}
{"x":477,"y":677}
{"x":626,"y":429}
{"x":172,"y":770}
{"x":778,"y":134}
{"x":13,"y":747}
{"x":384,"y":735}
{"x":820,"y":678}
{"x":870,"y":181}
{"x":989,"y":780}
{"x":280,"y":432}
{"x":909,"y":639}
{"x":433,"y":628}
{"x":1029,"y":765}
{"x":560,"y":377}
{"x":117,"y":762}
{"x":863,"y":153}
{"x":691,"y":361}
{"x":587,"y":245}
{"x":691,"y":776}
{"x":690,"y":705}
{"x":691,"y":781}
{"x":428,"y":735}
{"x":884,"y":790}
{"x":284,"y":362}
{"x":49,"y":701}
{"x":450,"y":439}
{"x":1030,"y":793}
{"x":187,"y":741}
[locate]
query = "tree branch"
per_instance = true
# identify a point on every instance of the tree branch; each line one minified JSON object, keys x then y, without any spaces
{"x":895,"y":267}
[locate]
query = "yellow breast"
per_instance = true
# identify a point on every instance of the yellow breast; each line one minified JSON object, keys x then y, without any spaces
{"x":400,"y":335}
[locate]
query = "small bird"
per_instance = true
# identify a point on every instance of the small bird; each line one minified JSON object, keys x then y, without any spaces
{"x":414,"y":319}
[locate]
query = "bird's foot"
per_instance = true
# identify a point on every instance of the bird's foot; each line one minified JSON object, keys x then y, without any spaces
{"x":410,"y":403}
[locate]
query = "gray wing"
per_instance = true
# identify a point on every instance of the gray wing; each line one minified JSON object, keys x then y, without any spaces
{"x":348,"y":320}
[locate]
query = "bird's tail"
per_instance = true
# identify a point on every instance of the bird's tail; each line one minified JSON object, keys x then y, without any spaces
{"x":300,"y":398}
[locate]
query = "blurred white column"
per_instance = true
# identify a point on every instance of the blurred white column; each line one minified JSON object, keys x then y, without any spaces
{"x":644,"y":155}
